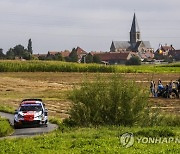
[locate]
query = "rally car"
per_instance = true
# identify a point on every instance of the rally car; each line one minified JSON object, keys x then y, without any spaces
{"x":31,"y":111}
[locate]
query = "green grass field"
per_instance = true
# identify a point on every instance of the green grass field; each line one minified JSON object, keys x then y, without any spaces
{"x":5,"y":128}
{"x":93,"y":140}
{"x":55,"y":66}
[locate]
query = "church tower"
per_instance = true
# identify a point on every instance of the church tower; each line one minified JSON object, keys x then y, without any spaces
{"x":135,"y":34}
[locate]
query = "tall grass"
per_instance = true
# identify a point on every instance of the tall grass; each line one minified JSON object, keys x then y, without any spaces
{"x":57,"y":66}
{"x":5,"y":128}
{"x":7,"y":109}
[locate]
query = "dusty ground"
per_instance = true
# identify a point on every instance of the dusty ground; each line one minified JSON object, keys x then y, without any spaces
{"x":54,"y":88}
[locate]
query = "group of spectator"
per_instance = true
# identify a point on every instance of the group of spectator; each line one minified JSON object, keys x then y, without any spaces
{"x":166,"y":90}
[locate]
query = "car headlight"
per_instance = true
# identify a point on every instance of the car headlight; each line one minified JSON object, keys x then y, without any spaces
{"x":20,"y":116}
{"x":40,"y":116}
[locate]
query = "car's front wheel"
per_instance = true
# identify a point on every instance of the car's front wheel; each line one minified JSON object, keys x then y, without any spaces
{"x":16,"y":126}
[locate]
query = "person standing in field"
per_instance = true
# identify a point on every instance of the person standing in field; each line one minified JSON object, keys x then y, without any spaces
{"x":170,"y":86}
{"x":159,"y":82}
{"x":152,"y":88}
{"x":167,"y":91}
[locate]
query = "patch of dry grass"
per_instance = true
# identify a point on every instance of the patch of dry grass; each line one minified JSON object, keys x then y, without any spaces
{"x":54,"y":88}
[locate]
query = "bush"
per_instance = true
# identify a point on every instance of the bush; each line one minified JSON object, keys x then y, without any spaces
{"x":112,"y":102}
{"x":134,"y":61}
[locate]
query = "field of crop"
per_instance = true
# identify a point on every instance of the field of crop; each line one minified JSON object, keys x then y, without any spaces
{"x":55,"y":66}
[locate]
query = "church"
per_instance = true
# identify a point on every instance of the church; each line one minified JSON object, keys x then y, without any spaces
{"x":142,"y":48}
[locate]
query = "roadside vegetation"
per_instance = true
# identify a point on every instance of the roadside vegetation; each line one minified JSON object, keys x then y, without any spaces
{"x":92,"y":140}
{"x":5,"y":127}
{"x":56,"y":66}
{"x":7,"y":109}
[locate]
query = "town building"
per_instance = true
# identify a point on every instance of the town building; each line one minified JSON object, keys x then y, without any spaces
{"x":162,"y":52}
{"x":80,"y":53}
{"x":164,"y":49}
{"x":114,"y":58}
{"x":135,"y":44}
{"x":64,"y":53}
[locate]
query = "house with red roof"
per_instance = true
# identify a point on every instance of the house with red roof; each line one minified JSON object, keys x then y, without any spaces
{"x":115,"y":57}
{"x":80,"y":53}
{"x":64,"y":53}
{"x":163,"y":51}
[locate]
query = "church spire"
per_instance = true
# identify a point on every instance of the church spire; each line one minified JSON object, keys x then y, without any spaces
{"x":135,"y":31}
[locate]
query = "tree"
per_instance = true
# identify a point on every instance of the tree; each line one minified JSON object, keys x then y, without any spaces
{"x":73,"y":57}
{"x":10,"y":54}
{"x":89,"y":58}
{"x":58,"y":56}
{"x":96,"y":59}
{"x":134,"y":61}
{"x":49,"y":57}
{"x":21,"y":52}
{"x":2,"y":56}
{"x":29,"y":48}
{"x":18,"y":50}
{"x":42,"y":57}
{"x":26,"y":55}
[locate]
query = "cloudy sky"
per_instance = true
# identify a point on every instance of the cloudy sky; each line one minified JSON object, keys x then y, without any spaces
{"x":90,"y":24}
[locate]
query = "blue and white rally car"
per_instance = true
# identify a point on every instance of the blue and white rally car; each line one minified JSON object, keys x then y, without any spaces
{"x":31,"y":111}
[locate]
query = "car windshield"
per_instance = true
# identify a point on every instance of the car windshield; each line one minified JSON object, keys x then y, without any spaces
{"x":31,"y":108}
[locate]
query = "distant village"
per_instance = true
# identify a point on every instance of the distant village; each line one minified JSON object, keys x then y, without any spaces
{"x":120,"y":52}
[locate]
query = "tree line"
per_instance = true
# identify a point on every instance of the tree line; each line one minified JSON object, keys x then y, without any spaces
{"x":19,"y":52}
{"x":73,"y":57}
